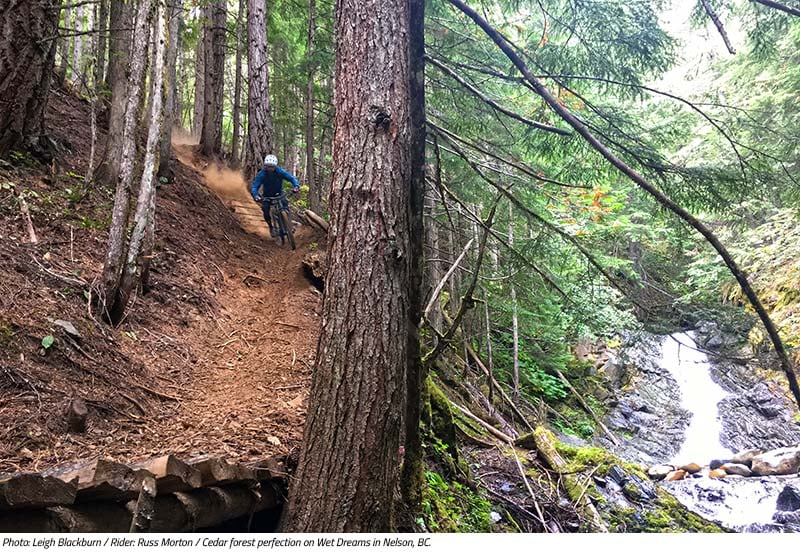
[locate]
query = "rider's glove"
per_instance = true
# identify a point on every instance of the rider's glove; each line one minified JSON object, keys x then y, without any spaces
{"x":295,"y":190}
{"x":258,"y":198}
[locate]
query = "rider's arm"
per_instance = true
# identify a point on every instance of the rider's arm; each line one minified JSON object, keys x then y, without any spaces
{"x":286,"y":175}
{"x":256,"y":185}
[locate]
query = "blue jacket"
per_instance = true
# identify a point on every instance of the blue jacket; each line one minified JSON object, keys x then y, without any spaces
{"x":269,"y":183}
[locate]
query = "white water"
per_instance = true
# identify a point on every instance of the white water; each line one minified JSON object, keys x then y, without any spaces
{"x":699,"y":395}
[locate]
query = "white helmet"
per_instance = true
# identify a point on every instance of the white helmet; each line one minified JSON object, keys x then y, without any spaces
{"x":271,"y":160}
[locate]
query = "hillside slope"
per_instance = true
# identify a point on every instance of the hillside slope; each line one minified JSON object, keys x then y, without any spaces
{"x":215,"y":358}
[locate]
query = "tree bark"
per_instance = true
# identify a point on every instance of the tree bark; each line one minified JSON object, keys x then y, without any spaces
{"x":199,"y":86}
{"x":260,"y":132}
{"x":350,"y":457}
{"x":214,"y":79}
{"x":102,"y":41}
{"x":115,"y":252}
{"x":170,"y":102}
{"x":145,"y":205}
{"x":314,"y":195}
{"x":120,"y":23}
{"x":237,"y":89}
{"x":77,"y":48}
{"x":26,"y":66}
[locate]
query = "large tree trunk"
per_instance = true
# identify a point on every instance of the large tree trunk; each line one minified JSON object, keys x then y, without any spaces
{"x":314,"y":195}
{"x":260,"y":133}
{"x":120,"y":23}
{"x":214,"y":45}
{"x":172,"y":89}
{"x":115,"y":252}
{"x":26,"y":66}
{"x":146,"y":203}
{"x":237,"y":89}
{"x":349,"y":463}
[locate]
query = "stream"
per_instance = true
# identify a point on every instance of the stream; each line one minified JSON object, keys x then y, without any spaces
{"x":679,"y":407}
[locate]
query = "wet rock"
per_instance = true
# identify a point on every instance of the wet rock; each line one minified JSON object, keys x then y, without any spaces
{"x":787,"y":517}
{"x":659,"y":472}
{"x":717,"y":474}
{"x":716,"y":463}
{"x":746,"y":457}
{"x":676,"y":475}
{"x":785,"y":460}
{"x":737,"y":469}
{"x":691,"y":468}
{"x":789,"y":498}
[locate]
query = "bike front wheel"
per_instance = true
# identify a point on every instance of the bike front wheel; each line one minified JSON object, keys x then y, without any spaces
{"x":286,"y":223}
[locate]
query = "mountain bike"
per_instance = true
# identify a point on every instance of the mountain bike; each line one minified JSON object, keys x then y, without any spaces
{"x":280,"y":218}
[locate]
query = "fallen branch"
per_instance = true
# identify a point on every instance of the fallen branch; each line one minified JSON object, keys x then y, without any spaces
{"x":586,"y":408}
{"x":26,"y":214}
{"x":155,"y":393}
{"x":492,"y":430}
{"x":450,"y":271}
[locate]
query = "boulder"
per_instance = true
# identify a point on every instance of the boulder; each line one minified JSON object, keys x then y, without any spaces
{"x":736,"y":468}
{"x":691,"y":468}
{"x":717,"y":474}
{"x":716,"y":463}
{"x":659,"y":472}
{"x":784,"y":460}
{"x":676,"y":475}
{"x":789,"y":498}
{"x":746,"y":457}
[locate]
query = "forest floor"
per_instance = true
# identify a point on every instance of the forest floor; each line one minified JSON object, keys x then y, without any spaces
{"x":215,"y":359}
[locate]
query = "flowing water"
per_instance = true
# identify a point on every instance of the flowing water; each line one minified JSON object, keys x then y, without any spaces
{"x":743,"y":504}
{"x":699,"y":395}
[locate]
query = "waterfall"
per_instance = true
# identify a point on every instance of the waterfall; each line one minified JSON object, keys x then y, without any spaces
{"x":699,"y":395}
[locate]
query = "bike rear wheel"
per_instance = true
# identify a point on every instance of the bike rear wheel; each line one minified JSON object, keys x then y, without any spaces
{"x":286,"y":223}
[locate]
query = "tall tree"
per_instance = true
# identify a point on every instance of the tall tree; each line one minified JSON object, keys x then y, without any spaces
{"x":144,"y":217}
{"x":314,"y":195}
{"x":349,"y":461}
{"x":214,"y":78}
{"x":102,"y":40}
{"x":199,"y":85}
{"x":120,"y":24}
{"x":115,"y":251}
{"x":237,"y":88}
{"x":27,"y":58}
{"x":78,"y":77}
{"x":260,"y":132}
{"x":170,"y":109}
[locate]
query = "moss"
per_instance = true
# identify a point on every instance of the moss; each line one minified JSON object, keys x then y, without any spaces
{"x":667,"y":514}
{"x":452,"y":507}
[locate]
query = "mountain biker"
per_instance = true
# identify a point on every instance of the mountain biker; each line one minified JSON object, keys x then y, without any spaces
{"x":269,"y":184}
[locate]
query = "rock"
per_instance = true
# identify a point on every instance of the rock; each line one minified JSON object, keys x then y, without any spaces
{"x":676,"y":475}
{"x":68,"y":327}
{"x":784,"y":460}
{"x":746,"y":457}
{"x":76,"y":416}
{"x":495,"y":516}
{"x":691,"y":468}
{"x":717,"y":473}
{"x":736,"y":468}
{"x":659,"y":472}
{"x":716,"y":463}
{"x":273,"y":440}
{"x":789,"y":498}
{"x":614,"y":371}
{"x":787,"y":517}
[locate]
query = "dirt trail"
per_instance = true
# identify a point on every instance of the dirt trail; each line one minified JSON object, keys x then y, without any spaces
{"x":214,"y":359}
{"x":253,"y":360}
